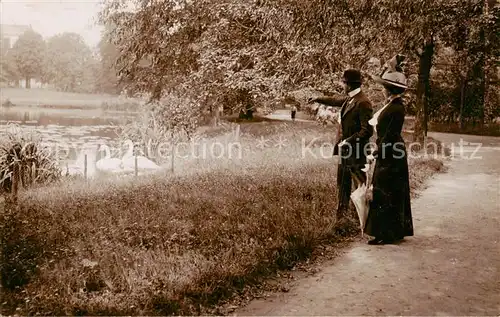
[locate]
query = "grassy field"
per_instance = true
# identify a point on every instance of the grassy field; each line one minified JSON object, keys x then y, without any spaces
{"x":175,"y":244}
{"x":57,"y":99}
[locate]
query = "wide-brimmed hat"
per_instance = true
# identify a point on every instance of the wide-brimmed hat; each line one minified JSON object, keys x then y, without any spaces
{"x":394,"y":78}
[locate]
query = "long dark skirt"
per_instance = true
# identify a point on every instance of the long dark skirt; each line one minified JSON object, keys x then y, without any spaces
{"x":390,"y":210}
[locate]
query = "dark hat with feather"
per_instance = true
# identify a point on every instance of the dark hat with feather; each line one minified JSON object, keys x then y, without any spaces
{"x":392,"y":75}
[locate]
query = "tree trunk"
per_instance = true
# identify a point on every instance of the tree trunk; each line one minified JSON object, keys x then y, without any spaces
{"x":481,"y":76}
{"x":423,"y":91}
{"x":427,"y":97}
{"x":249,"y":111}
{"x":463,"y":85}
{"x":28,"y":83}
{"x":217,"y":115}
{"x":246,"y":99}
{"x":489,"y":5}
{"x":481,"y":66}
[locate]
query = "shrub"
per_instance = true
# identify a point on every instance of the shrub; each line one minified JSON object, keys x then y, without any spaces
{"x":37,"y":164}
{"x":161,"y":121}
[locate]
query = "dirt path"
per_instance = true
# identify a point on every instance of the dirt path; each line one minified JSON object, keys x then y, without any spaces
{"x":450,"y":267}
{"x":284,"y":115}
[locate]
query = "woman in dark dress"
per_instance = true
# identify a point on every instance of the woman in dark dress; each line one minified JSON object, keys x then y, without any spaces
{"x":390,"y":219}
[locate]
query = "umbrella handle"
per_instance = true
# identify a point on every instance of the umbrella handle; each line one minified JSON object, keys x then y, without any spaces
{"x":369,"y":173}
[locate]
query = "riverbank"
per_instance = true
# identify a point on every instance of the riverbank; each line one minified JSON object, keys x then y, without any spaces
{"x":50,"y":99}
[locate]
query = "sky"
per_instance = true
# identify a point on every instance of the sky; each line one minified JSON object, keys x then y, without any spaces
{"x":50,"y":17}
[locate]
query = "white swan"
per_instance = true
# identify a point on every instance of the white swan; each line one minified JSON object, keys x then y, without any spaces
{"x":78,"y":167}
{"x":143,"y":163}
{"x":109,"y":164}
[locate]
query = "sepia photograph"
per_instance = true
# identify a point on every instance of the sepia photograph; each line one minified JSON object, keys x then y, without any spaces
{"x":249,"y":157}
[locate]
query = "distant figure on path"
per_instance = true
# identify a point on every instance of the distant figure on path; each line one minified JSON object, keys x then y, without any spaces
{"x":353,"y":136}
{"x":293,"y":112}
{"x":390,"y":218}
{"x":218,"y":114}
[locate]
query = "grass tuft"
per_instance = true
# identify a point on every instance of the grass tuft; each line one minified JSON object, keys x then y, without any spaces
{"x":36,"y":163}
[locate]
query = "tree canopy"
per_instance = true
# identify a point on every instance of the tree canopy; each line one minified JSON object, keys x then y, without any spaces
{"x":242,"y":54}
{"x":28,"y":55}
{"x":68,"y":62}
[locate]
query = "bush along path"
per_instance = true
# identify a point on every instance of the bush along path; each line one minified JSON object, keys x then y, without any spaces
{"x":450,"y":267}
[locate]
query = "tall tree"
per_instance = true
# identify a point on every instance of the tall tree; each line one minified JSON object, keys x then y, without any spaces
{"x":491,"y":27}
{"x":474,"y":37}
{"x":250,"y":49}
{"x":419,"y":26}
{"x":8,"y":67}
{"x":28,"y":54}
{"x":68,"y":58}
{"x":257,"y":50}
{"x":415,"y":26}
{"x":108,"y":55}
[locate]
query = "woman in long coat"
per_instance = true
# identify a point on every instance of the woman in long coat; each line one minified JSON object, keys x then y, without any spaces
{"x":390,"y":218}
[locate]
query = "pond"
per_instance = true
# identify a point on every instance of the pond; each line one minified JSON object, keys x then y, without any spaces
{"x":67,"y":131}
